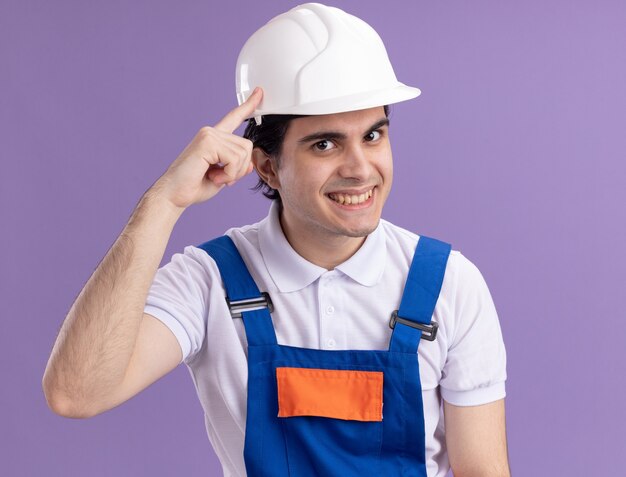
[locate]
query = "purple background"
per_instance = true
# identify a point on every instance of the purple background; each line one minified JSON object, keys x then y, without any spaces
{"x":514,"y":153}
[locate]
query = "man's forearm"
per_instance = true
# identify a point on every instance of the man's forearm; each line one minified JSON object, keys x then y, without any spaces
{"x":96,"y":341}
{"x":92,"y":353}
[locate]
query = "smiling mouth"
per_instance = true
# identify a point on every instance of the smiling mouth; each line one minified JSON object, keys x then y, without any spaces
{"x":350,"y":199}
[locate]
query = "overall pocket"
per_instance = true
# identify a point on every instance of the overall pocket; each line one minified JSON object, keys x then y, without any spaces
{"x":332,"y":420}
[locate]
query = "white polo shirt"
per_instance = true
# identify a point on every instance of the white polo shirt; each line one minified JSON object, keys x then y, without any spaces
{"x":345,"y":308}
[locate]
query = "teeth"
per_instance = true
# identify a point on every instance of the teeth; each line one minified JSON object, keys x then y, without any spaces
{"x":351,"y":199}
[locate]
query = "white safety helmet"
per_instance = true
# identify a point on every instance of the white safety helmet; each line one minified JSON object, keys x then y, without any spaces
{"x":316,"y":59}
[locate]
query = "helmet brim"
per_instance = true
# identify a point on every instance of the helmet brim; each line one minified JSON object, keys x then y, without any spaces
{"x":354,"y":102}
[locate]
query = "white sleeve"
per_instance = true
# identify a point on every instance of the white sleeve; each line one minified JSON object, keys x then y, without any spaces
{"x":475,"y":369}
{"x":178,"y":297}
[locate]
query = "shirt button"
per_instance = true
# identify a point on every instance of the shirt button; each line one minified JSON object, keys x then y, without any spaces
{"x":330,"y":310}
{"x":331,"y":343}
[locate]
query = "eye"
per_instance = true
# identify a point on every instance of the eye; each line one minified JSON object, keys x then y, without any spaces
{"x":324,"y":145}
{"x":373,"y":136}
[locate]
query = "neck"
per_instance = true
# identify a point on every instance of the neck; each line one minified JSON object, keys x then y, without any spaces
{"x":322,"y":249}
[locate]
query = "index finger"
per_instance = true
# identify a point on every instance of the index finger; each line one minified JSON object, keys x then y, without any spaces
{"x":235,"y":117}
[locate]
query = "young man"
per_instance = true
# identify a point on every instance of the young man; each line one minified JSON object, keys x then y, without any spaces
{"x":301,"y":331}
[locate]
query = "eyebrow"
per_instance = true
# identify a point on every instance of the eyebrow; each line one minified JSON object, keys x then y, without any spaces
{"x":339,"y":135}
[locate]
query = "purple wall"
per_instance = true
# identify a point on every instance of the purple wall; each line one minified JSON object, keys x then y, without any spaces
{"x":514,"y":153}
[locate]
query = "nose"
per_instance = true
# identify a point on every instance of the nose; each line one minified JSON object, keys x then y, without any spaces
{"x":355,"y":163}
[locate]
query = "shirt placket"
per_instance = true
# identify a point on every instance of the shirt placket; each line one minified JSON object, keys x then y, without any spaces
{"x":331,"y":337}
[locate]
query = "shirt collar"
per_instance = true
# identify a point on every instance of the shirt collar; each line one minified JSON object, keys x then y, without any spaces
{"x":291,"y":272}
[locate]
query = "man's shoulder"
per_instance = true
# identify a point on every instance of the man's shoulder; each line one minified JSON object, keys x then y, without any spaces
{"x":399,"y":234}
{"x":244,"y":233}
{"x":401,"y":237}
{"x":402,"y":240}
{"x":247,"y":238}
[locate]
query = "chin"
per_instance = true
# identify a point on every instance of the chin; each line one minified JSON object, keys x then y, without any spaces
{"x":362,"y":231}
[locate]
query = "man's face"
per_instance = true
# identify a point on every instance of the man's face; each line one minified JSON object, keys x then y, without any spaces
{"x":335,"y":174}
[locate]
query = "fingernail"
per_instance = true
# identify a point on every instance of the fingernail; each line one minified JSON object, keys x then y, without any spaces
{"x":254,"y":91}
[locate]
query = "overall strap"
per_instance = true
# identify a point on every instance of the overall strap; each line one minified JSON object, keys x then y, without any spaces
{"x":242,"y":292}
{"x":420,"y":295}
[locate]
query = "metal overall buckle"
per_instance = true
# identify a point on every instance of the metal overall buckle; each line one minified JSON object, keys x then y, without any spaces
{"x":237,"y":307}
{"x":429,"y":332}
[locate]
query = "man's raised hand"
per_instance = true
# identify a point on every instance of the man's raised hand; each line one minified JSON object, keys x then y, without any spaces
{"x":215,"y":157}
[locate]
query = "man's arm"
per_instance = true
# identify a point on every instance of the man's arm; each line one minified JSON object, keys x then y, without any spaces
{"x":107,"y":349}
{"x":476,"y":440}
{"x":94,"y":347}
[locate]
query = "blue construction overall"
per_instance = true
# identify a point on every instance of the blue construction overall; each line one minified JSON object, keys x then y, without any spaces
{"x":343,"y":413}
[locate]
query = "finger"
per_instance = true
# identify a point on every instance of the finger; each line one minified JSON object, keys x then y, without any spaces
{"x":232,"y":163}
{"x":241,"y":155}
{"x":245,"y":156}
{"x":217,"y":176}
{"x":235,"y":117}
{"x":246,"y":168}
{"x":220,"y":175}
{"x":232,"y":168}
{"x":238,"y":168}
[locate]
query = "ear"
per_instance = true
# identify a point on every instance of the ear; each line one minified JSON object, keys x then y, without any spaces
{"x":265,"y":167}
